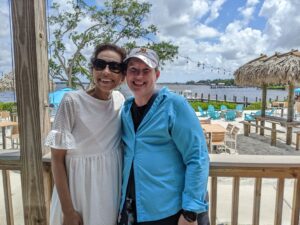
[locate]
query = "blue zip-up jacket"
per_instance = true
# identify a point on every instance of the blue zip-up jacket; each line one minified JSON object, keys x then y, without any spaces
{"x":170,"y":158}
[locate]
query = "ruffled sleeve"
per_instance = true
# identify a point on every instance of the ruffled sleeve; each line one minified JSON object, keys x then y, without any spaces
{"x":60,"y":137}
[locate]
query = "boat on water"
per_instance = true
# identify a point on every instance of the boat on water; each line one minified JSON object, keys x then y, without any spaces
{"x":188,"y":94}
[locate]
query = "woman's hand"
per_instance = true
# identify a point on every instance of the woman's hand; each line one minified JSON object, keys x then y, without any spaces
{"x":183,"y":221}
{"x":72,"y":218}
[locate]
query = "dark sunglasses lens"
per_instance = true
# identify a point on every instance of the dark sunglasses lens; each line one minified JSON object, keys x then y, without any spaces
{"x":100,"y":64}
{"x":115,"y":67}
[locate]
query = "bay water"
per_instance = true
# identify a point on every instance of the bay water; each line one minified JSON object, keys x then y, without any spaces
{"x":251,"y":93}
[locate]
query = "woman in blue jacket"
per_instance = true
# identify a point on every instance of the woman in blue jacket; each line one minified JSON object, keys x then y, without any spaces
{"x":166,"y":161}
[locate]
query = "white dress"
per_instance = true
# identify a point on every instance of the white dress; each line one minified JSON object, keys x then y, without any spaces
{"x":90,"y":130}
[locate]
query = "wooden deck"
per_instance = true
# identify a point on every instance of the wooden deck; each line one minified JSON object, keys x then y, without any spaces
{"x":236,"y":167}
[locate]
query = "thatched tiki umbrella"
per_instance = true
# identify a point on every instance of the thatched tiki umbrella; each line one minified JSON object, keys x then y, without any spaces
{"x":246,"y":75}
{"x":277,"y":69}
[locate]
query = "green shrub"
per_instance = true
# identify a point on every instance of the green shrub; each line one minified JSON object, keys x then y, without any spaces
{"x":8,"y":106}
{"x":217,"y":105}
{"x":254,"y":106}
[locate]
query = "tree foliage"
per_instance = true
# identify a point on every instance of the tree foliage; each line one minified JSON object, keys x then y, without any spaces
{"x":123,"y":22}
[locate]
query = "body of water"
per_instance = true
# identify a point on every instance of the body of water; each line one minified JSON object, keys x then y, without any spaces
{"x":240,"y":93}
{"x":251,"y":93}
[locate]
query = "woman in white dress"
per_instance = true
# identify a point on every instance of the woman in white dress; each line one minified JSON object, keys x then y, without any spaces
{"x":85,"y":146}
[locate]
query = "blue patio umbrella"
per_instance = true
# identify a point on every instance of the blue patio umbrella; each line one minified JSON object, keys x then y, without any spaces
{"x":56,"y":96}
{"x":297,"y":91}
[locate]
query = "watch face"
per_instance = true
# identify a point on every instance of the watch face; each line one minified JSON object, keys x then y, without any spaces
{"x":189,"y":216}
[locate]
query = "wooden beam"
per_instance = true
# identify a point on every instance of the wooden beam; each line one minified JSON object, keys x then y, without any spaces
{"x":256,"y":202}
{"x":8,"y":198}
{"x":31,"y":71}
{"x":213,"y":200}
{"x":296,"y":203}
{"x":235,"y":201}
{"x":290,"y":113}
{"x":10,"y":160}
{"x":279,"y":201}
{"x":263,"y":107}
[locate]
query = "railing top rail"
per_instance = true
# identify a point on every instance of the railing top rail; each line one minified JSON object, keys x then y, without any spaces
{"x":10,"y":160}
{"x":9,"y":154}
{"x":12,"y":157}
{"x":255,"y":161}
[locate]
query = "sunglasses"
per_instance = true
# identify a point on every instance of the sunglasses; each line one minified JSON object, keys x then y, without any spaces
{"x":100,"y":64}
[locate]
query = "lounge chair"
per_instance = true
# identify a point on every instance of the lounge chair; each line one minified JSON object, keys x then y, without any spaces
{"x":212,"y":113}
{"x":223,"y":110}
{"x":202,"y":112}
{"x":239,"y":108}
{"x":210,"y":108}
{"x":270,"y":112}
{"x":230,"y":115}
{"x":250,"y":116}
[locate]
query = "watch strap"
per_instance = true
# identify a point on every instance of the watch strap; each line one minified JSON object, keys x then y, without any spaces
{"x":189,"y":215}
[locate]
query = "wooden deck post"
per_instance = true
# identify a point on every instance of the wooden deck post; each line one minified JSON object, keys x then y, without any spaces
{"x":247,"y":128}
{"x":263,"y":108}
{"x":297,"y":140}
{"x":8,"y":197}
{"x":273,"y":134}
{"x":31,"y":71}
{"x":290,"y":114}
{"x":256,"y":201}
{"x":296,"y":203}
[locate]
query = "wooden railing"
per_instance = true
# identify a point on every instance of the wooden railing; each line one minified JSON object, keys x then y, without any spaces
{"x":257,"y":167}
{"x":235,"y":166}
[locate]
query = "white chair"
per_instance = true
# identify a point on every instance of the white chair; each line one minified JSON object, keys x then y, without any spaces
{"x":229,"y":129}
{"x":217,"y":139}
{"x":231,"y":141}
{"x":5,"y":115}
{"x":14,"y":136}
{"x":297,"y":109}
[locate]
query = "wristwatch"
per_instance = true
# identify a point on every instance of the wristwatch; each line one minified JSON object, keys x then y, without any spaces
{"x":189,"y":215}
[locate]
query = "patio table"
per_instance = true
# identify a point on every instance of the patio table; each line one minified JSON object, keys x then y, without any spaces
{"x":212,"y":128}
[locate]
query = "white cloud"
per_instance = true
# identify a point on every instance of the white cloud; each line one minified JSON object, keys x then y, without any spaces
{"x":283,"y":20}
{"x":188,"y":24}
{"x":248,"y":10}
{"x":175,"y":17}
{"x":239,"y":43}
{"x":203,"y":32}
{"x":215,"y":8}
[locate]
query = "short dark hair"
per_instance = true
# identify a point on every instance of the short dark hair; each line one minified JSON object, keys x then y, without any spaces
{"x":107,"y":46}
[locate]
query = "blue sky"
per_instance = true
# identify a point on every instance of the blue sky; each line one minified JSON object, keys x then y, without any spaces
{"x":220,"y":34}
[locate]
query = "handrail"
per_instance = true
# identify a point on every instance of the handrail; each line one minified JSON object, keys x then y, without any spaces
{"x":236,"y":166}
{"x":258,"y":167}
{"x":10,"y":160}
{"x":254,"y":161}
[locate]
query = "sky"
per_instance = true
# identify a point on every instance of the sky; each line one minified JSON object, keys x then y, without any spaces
{"x":214,"y":37}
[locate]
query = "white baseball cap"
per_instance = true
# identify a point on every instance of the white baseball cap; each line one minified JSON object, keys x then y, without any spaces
{"x":148,"y":56}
